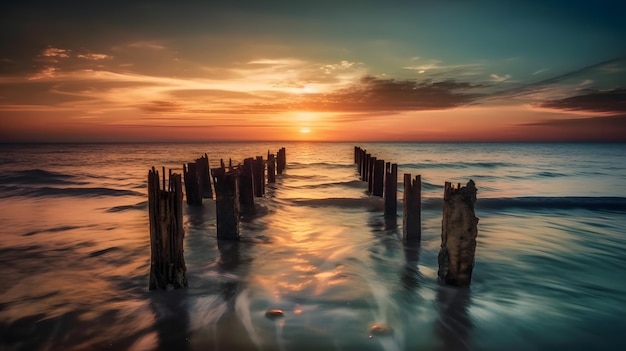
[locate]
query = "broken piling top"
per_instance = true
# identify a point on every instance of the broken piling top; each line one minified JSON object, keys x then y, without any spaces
{"x":459,"y":229}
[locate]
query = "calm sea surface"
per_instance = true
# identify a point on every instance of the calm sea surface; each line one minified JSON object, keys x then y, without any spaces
{"x":549,"y":272}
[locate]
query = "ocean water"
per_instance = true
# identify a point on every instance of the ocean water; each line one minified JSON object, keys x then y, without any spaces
{"x":549,"y":271}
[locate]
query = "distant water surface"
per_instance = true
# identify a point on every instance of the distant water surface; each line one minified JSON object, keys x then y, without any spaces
{"x":550,"y":261}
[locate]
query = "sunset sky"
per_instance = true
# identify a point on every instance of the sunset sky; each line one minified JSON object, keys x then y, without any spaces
{"x":313,"y":70}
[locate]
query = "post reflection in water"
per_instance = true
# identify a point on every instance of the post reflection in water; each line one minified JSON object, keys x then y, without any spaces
{"x":454,"y":326}
{"x":410,"y":272}
{"x":171,"y":319}
{"x":228,"y":263}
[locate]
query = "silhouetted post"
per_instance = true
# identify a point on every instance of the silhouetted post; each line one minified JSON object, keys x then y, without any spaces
{"x":258,"y":172}
{"x":227,"y":203}
{"x":271,"y":168}
{"x":458,"y":234}
{"x":246,"y":186}
{"x":412,"y":209}
{"x":378,"y":184}
{"x":391,"y":190}
{"x":192,"y":186}
{"x":165,"y":212}
{"x":204,"y":177}
{"x":368,"y":163}
{"x":370,"y":177}
{"x":281,"y":160}
{"x":362,"y":164}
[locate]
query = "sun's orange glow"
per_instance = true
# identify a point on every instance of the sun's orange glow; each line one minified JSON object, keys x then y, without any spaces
{"x":305,"y":130}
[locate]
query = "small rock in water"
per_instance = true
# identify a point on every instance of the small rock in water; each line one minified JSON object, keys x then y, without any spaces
{"x":274,"y":312}
{"x":379,"y":329}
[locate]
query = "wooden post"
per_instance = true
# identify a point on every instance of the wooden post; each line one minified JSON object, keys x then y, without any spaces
{"x":391,"y":190}
{"x":204,"y":177}
{"x":362,"y":164}
{"x":368,"y":162}
{"x":165,"y":212}
{"x":271,"y":168}
{"x":412,"y":209}
{"x":379,"y":178}
{"x":258,"y":172}
{"x":192,"y":187}
{"x":281,"y":161}
{"x":227,"y":203}
{"x":246,"y":186}
{"x":458,"y":235}
{"x":370,"y":176}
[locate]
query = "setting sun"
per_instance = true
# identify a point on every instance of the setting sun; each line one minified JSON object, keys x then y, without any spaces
{"x":305,"y":130}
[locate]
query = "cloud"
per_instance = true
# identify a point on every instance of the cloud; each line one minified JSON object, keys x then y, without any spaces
{"x":94,"y":57}
{"x":436,"y":66}
{"x":378,"y":94}
{"x":152,"y":45}
{"x":611,"y":101}
{"x":51,"y":52}
{"x":498,"y":78}
{"x":608,"y":128}
{"x":162,"y":106}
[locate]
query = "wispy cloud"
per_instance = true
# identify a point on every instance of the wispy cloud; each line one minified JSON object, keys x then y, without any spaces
{"x":94,"y":57}
{"x":611,"y":101}
{"x":500,"y":78}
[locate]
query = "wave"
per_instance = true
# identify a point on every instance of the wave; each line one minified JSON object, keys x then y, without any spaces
{"x":138,"y":206}
{"x":319,"y":164}
{"x":372,"y":202}
{"x":37,"y":176}
{"x":11,"y":191}
{"x":357,"y":184}
{"x":457,"y":165}
{"x":57,"y":229}
{"x":539,"y":202}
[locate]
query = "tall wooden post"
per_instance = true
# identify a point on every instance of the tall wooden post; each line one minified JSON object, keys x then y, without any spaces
{"x":458,"y":234}
{"x":271,"y":168}
{"x":281,"y":160}
{"x":192,"y":186}
{"x":165,"y":212}
{"x":378,"y":184}
{"x":227,"y":203}
{"x":412,"y":209}
{"x":246,"y":186}
{"x":370,"y":176}
{"x":258,"y":172}
{"x":204,"y":177}
{"x":391,"y":190}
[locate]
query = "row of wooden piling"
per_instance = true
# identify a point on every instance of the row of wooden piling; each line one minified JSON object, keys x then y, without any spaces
{"x":459,"y":222}
{"x":235,"y":190}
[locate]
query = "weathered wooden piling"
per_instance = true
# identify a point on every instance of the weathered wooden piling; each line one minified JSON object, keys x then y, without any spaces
{"x":271,"y":168}
{"x":204,"y":177}
{"x":281,"y":160}
{"x":458,"y":234}
{"x":246,"y":186}
{"x":378,"y":184}
{"x":258,"y":173}
{"x":227,"y":203}
{"x":412,"y":209}
{"x":366,"y":166}
{"x":165,"y":212}
{"x":370,"y":176}
{"x":391,"y":189}
{"x":192,"y":185}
